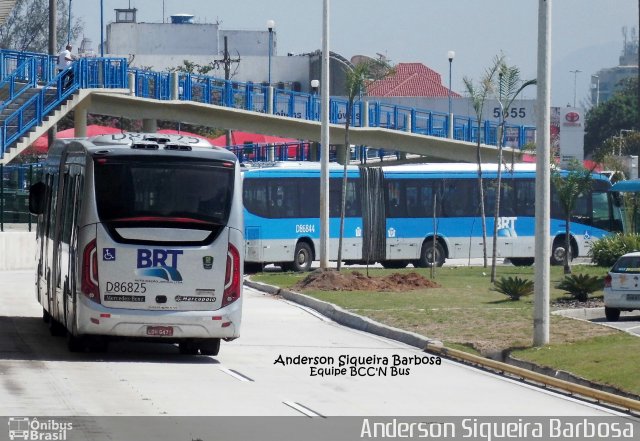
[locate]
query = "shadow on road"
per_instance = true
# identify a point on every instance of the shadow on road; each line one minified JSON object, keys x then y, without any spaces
{"x":28,"y":338}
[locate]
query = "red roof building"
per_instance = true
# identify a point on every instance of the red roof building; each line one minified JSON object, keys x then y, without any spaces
{"x":413,"y":80}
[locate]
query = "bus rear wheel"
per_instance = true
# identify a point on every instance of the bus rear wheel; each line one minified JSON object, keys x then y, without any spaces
{"x":430,"y":255}
{"x":302,"y":259}
{"x":210,"y":346}
{"x":188,"y":348}
{"x":75,"y":343}
{"x":56,"y":328}
{"x":558,"y":251}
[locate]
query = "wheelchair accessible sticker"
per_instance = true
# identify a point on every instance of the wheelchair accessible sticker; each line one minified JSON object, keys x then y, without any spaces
{"x":108,"y":254}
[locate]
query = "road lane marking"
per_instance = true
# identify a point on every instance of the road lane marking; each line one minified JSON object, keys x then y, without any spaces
{"x":303,"y":409}
{"x":235,"y":374}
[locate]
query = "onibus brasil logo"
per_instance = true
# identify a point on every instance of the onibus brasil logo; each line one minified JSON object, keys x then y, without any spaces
{"x":159,"y":263}
{"x":33,"y":429}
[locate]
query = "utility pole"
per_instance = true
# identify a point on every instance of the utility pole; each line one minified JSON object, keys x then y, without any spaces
{"x":324,"y":140}
{"x":53,"y":38}
{"x":543,"y":179}
{"x":226,"y":61}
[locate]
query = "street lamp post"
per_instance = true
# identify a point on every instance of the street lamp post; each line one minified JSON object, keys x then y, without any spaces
{"x":621,"y":138}
{"x":315,"y":84}
{"x":270,"y":25}
{"x":575,"y":79}
{"x":450,"y":56}
{"x":101,"y":28}
{"x":69,"y":25}
{"x":597,"y":78}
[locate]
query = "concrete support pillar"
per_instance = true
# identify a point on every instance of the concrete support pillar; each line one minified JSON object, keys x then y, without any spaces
{"x":149,"y":125}
{"x":132,"y":83}
{"x":314,"y":148}
{"x":364,"y":114}
{"x":80,"y":121}
{"x":270,"y":94}
{"x":364,"y":117}
{"x":403,"y":155}
{"x":175,"y":91}
{"x":271,"y":153}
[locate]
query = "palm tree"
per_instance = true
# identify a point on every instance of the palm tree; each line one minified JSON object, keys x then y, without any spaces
{"x":568,"y":189}
{"x":478,"y":96}
{"x":509,"y":87}
{"x":355,"y":85}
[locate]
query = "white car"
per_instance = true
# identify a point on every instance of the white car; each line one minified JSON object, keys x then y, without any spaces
{"x":622,"y":286}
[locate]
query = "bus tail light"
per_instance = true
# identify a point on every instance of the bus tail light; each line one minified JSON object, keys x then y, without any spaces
{"x":232,"y":277}
{"x":607,"y":281}
{"x":90,"y":272}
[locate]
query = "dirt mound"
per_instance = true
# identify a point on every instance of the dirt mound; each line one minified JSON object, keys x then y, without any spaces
{"x":330,"y":280}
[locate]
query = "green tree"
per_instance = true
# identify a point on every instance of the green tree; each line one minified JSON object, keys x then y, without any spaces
{"x":355,"y":85}
{"x":478,"y":95}
{"x":27,"y":26}
{"x":609,"y":118}
{"x":510,"y":85}
{"x":568,"y":189}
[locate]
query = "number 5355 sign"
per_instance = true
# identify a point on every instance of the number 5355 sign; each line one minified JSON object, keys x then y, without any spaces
{"x":512,"y":113}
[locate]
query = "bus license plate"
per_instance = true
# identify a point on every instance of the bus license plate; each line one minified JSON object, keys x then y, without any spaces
{"x":162,"y":331}
{"x":633,"y":296}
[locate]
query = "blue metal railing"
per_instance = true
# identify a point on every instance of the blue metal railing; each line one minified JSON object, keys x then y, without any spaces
{"x":112,"y":73}
{"x":259,"y":152}
{"x":11,"y":60}
{"x":85,"y":73}
{"x":20,"y":80}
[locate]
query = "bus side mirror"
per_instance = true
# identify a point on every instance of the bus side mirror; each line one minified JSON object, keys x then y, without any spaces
{"x":36,"y":197}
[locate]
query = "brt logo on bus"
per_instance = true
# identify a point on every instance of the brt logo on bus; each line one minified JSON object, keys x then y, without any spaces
{"x":507,"y":226}
{"x":159,"y":263}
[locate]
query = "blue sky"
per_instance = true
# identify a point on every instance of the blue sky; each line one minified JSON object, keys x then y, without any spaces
{"x":586,"y":34}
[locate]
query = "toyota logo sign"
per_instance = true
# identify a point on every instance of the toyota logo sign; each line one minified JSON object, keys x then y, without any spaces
{"x":572,"y":117}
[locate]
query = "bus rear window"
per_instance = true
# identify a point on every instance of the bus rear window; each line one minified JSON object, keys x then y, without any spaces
{"x":126,"y":190}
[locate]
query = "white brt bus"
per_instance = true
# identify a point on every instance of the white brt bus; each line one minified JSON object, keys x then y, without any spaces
{"x":140,"y":236}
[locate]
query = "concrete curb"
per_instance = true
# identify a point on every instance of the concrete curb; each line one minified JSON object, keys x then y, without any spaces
{"x":569,"y":377}
{"x":347,"y":318}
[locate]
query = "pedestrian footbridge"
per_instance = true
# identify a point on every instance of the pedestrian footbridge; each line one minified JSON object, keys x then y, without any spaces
{"x":33,"y":100}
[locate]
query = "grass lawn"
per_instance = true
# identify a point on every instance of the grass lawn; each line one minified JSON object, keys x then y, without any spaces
{"x":465,"y":311}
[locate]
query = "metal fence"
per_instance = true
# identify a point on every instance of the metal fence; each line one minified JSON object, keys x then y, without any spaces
{"x":14,"y":194}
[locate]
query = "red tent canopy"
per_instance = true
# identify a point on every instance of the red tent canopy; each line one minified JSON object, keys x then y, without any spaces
{"x":41,"y":145}
{"x":239,"y":138}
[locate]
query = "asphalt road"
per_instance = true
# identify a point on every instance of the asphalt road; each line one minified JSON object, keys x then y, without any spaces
{"x":39,"y":377}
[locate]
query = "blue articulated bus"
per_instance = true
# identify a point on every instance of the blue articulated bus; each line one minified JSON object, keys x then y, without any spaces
{"x":410,"y":214}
